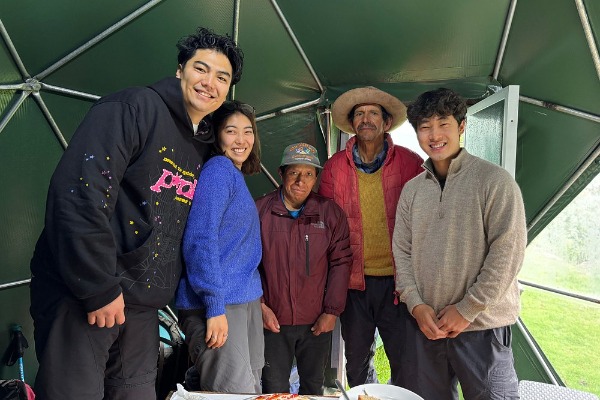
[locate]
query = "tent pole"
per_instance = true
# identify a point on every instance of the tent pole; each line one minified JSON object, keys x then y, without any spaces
{"x":268,"y":174}
{"x":97,"y":39}
{"x":592,"y":158}
{"x":13,"y":51}
{"x":288,"y":110}
{"x":290,"y":32}
{"x":563,"y":109}
{"x":236,"y":34}
{"x":7,"y":117}
{"x":585,"y":22}
{"x":505,"y":33}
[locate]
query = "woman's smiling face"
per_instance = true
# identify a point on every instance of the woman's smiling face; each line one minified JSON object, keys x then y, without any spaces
{"x":236,"y":138}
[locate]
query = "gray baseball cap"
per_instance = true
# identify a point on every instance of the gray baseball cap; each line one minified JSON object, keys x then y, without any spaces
{"x":300,"y":153}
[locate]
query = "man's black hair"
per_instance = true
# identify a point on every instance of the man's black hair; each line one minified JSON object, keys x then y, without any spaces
{"x":441,"y":102}
{"x":206,"y":39}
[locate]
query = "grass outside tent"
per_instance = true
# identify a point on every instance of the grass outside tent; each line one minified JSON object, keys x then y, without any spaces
{"x":566,"y":329}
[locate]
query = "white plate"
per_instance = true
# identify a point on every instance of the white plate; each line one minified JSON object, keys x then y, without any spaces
{"x":384,"y":392}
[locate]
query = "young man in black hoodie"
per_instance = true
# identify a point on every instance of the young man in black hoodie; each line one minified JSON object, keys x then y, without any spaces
{"x":109,"y":254}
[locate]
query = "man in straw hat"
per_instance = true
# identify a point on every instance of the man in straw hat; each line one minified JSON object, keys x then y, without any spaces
{"x":366,"y":179}
{"x":305,"y":269}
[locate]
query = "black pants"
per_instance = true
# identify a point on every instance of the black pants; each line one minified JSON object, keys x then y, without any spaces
{"x":81,"y":361}
{"x":311,"y":354}
{"x":366,"y":310}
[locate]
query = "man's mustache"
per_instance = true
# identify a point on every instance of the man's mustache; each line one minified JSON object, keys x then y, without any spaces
{"x":366,"y":125}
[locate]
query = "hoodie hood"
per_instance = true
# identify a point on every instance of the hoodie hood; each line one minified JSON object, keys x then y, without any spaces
{"x":169,"y":90}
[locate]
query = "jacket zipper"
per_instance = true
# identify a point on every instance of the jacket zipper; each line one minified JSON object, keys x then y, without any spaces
{"x":307,"y":253}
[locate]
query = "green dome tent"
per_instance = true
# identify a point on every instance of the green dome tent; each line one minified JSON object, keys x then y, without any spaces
{"x":58,"y":56}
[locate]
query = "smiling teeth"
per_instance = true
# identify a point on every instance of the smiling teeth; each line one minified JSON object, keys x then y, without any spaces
{"x":437,"y":146}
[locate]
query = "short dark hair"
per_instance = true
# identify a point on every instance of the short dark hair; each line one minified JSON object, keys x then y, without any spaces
{"x":386,"y":115}
{"x":252,"y":164}
{"x":206,"y":39}
{"x":283,"y":168}
{"x":441,"y":102}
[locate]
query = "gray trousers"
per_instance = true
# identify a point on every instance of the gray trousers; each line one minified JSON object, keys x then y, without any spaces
{"x":482,"y":361}
{"x":236,"y":366}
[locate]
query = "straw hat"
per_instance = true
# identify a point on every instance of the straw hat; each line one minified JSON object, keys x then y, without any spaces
{"x":366,"y":95}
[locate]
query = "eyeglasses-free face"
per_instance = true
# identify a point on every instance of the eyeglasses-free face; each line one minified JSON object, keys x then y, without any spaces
{"x":236,"y":138}
{"x":298,"y":182}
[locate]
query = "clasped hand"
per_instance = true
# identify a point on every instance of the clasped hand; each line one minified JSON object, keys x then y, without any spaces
{"x":448,"y":323}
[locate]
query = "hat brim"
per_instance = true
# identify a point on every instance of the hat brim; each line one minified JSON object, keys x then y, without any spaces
{"x":301,"y":163}
{"x":366,"y":95}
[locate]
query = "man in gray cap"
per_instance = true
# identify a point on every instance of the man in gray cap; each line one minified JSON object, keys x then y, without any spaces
{"x":305,"y":269}
{"x":366,"y":179}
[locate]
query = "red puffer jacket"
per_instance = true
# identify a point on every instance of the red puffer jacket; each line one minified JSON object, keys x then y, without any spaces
{"x":339,"y":181}
{"x":306,"y":261}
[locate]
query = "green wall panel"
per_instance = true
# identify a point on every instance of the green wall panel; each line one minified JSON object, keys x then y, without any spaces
{"x":545,"y":161}
{"x":29,"y":152}
{"x":143,"y":51}
{"x":550,"y":59}
{"x":364,"y":42}
{"x":45,"y":31}
{"x":275,"y":75}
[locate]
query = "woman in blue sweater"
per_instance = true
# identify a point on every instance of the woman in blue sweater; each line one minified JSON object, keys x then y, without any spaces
{"x":219,"y":292}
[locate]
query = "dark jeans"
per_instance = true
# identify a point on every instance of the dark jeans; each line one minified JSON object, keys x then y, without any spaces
{"x":482,"y":361}
{"x":311,"y":354}
{"x":81,"y":361}
{"x":366,"y":310}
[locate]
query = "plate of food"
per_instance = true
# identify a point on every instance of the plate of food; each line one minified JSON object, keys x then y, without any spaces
{"x":376,"y":391}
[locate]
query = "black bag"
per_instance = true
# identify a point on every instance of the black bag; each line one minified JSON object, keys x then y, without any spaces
{"x":172,"y":354}
{"x":12,"y":389}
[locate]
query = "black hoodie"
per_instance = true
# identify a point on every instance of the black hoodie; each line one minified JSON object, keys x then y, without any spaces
{"x":118,"y":203}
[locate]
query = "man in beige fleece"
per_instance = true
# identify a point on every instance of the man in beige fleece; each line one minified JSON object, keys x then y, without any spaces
{"x":458,"y":244}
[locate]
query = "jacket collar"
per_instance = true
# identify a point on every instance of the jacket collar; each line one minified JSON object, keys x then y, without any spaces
{"x":310,"y":205}
{"x":388,"y":156}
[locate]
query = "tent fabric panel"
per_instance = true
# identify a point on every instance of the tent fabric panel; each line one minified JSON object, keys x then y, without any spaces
{"x":542,"y":168}
{"x":68,"y":112}
{"x":9,"y":72}
{"x":551,"y":60}
{"x":28,"y":153}
{"x":586,"y":177}
{"x":136,"y":55}
{"x":593,"y":10}
{"x":392,"y":41}
{"x":475,"y":88}
{"x":275,"y":74}
{"x":45,"y":31}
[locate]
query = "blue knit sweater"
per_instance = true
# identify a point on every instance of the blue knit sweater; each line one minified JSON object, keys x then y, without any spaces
{"x":221,"y":242}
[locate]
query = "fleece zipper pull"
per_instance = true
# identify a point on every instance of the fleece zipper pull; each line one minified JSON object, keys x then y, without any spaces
{"x":307,"y":253}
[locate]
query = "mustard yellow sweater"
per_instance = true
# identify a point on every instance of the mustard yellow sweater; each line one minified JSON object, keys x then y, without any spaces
{"x":376,"y":237}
